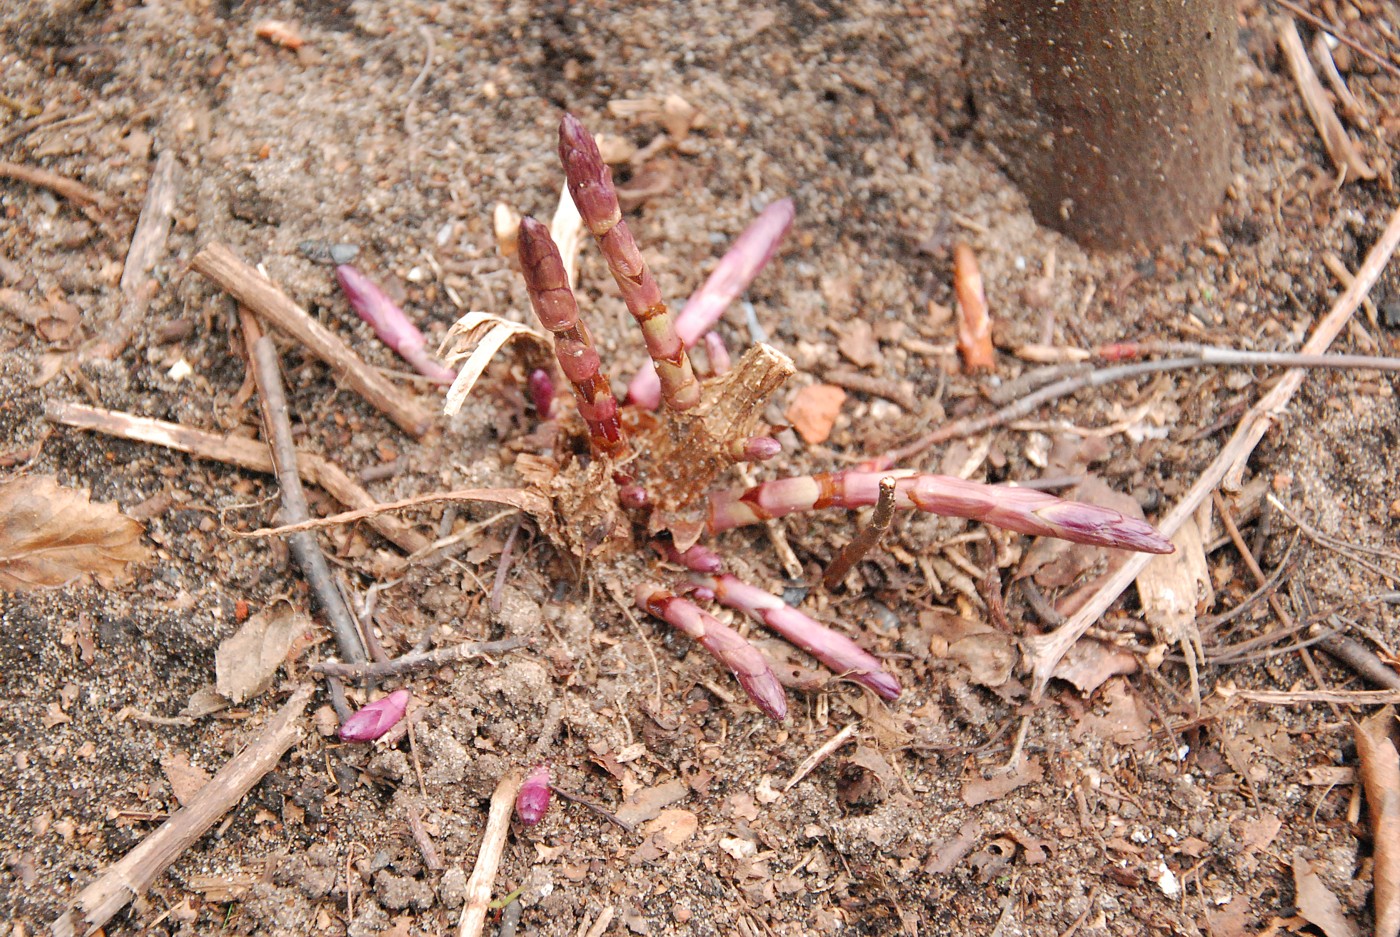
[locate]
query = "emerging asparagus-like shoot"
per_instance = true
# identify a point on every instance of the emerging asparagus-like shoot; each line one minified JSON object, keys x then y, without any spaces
{"x":723,"y":642}
{"x":390,"y":323}
{"x":590,"y":184}
{"x":555,"y":306}
{"x":1023,"y":510}
{"x":749,"y":254}
{"x":374,"y":720}
{"x":832,"y":648}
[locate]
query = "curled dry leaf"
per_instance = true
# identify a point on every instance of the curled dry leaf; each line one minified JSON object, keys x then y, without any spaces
{"x":246,"y":661}
{"x":1174,"y":585}
{"x":478,"y":336}
{"x":1380,"y":777}
{"x":51,"y":535}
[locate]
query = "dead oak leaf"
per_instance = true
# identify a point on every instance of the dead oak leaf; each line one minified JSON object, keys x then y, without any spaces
{"x":51,"y":535}
{"x":246,"y":660}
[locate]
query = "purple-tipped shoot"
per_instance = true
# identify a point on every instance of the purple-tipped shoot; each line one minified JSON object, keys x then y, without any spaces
{"x":547,"y":282}
{"x":390,"y":323}
{"x":532,"y":802}
{"x":835,"y":650}
{"x":375,"y":719}
{"x":591,"y":187}
{"x":744,"y":260}
{"x":725,"y":644}
{"x":541,"y":386}
{"x":699,"y":559}
{"x":1023,"y":510}
{"x":757,"y":449}
{"x":720,"y":362}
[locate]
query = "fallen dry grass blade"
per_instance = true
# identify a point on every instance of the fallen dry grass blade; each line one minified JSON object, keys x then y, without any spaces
{"x":1380,"y":776}
{"x":478,"y":336}
{"x":51,"y":535}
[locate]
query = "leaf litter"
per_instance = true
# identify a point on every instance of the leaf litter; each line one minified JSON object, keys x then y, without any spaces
{"x":51,"y":535}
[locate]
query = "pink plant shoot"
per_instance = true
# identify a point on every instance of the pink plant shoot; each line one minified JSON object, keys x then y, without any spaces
{"x":390,"y":323}
{"x":375,"y":719}
{"x":743,"y":262}
{"x":1023,"y":510}
{"x":838,"y":652}
{"x":725,"y":644}
{"x":541,"y":386}
{"x":591,"y":187}
{"x":532,"y":802}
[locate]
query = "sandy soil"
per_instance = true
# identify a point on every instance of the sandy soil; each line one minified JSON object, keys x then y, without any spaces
{"x":397,"y":127}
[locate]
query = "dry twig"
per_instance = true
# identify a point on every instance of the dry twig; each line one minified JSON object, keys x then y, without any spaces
{"x":147,"y":246}
{"x":312,"y":561}
{"x":862,"y":542}
{"x":235,"y":450}
{"x":409,"y":663}
{"x":1340,"y":147}
{"x":140,"y":867}
{"x":488,"y":858}
{"x":263,"y":297}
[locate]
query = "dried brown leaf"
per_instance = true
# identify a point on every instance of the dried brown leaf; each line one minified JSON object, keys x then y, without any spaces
{"x":1174,"y":585}
{"x":1380,"y":777}
{"x":1316,"y":902}
{"x":980,"y":790}
{"x":245,"y":662}
{"x":813,"y":411}
{"x":185,"y":778}
{"x":50,"y":535}
{"x":647,"y":803}
{"x":1089,"y":664}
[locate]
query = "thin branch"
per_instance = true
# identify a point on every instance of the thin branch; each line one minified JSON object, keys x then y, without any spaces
{"x":863,"y":541}
{"x":410,"y":663}
{"x":312,"y":561}
{"x":235,"y":450}
{"x":825,"y":751}
{"x":1339,"y":145}
{"x":71,"y":189}
{"x":524,"y":499}
{"x":138,"y":869}
{"x":1340,"y":36}
{"x":1043,"y":653}
{"x":147,"y":248}
{"x":599,"y":809}
{"x":488,"y":858}
{"x":261,"y":295}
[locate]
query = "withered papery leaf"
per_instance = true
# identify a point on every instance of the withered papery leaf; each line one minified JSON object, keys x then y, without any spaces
{"x":51,"y":535}
{"x":1380,"y":777}
{"x":246,"y":660}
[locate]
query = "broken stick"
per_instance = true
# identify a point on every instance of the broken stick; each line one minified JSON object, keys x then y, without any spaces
{"x":147,"y":246}
{"x":277,"y":425}
{"x":139,"y":868}
{"x":235,"y":450}
{"x":263,"y":297}
{"x":488,"y":858}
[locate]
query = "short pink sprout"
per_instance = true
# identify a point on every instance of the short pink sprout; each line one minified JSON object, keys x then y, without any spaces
{"x":533,"y":800}
{"x":377,"y":718}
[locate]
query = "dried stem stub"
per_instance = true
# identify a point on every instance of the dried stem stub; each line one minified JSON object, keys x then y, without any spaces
{"x":590,"y":184}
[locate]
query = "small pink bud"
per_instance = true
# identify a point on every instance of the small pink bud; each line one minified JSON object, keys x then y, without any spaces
{"x":633,"y":496}
{"x":375,"y":719}
{"x":541,"y":385}
{"x":758,"y":449}
{"x":533,"y":799}
{"x":719,"y":354}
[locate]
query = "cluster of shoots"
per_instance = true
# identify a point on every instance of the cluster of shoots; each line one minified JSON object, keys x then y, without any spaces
{"x":672,"y":382}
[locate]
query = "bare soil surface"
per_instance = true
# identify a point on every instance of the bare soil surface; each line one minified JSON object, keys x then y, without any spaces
{"x":398,"y":127}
